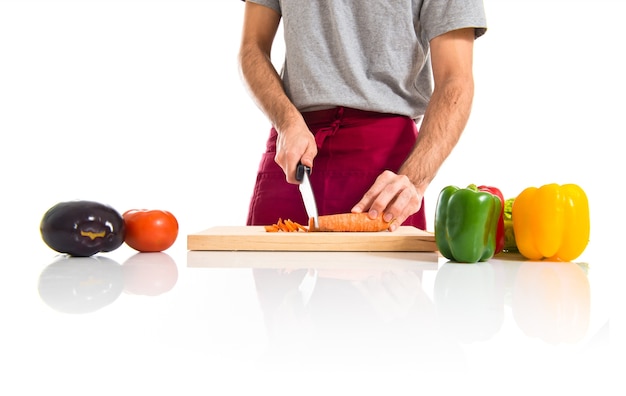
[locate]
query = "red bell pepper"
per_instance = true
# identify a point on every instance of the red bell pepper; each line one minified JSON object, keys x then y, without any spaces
{"x":500,"y":230}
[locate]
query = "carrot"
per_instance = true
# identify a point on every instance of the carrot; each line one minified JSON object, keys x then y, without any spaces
{"x":349,"y":222}
{"x":342,"y":222}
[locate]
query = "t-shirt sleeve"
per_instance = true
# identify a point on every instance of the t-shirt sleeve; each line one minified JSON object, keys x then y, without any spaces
{"x":438,"y":17}
{"x":273,"y":4}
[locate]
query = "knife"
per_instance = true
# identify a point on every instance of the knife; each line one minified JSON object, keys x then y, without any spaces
{"x":302,"y":175}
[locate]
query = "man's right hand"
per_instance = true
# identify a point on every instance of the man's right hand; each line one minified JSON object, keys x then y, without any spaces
{"x":294,"y":145}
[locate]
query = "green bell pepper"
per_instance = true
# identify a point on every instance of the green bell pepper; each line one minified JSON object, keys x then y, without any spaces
{"x":466,"y":222}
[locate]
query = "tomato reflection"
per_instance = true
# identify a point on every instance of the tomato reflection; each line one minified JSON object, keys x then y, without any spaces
{"x":149,"y":274}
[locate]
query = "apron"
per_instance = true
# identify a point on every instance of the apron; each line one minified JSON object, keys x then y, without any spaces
{"x":354,"y":148}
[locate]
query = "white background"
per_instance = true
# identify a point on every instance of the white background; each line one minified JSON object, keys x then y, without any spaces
{"x":139,"y":104}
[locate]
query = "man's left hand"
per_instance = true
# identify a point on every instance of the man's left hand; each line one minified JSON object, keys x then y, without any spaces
{"x":392,"y":195}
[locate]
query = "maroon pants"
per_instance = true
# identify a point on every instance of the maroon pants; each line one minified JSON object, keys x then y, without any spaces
{"x":354,"y":148}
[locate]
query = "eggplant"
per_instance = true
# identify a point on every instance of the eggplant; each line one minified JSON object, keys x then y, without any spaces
{"x":82,"y":228}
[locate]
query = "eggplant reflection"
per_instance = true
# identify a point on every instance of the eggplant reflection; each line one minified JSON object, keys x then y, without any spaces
{"x":79,"y":285}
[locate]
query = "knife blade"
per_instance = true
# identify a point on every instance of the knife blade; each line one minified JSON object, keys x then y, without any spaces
{"x":302,"y":175}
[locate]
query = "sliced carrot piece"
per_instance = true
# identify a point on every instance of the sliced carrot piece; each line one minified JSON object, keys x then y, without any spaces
{"x":285,"y":226}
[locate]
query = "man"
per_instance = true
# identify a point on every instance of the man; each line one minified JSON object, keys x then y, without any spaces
{"x":357,"y":79}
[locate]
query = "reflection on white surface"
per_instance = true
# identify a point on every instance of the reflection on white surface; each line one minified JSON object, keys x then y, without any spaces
{"x":552,"y":301}
{"x":149,"y":274}
{"x":85,"y":284}
{"x":350,"y":262}
{"x":81,"y":284}
{"x":353,"y":317}
{"x":470,"y":300}
{"x":547,"y":300}
{"x":251,"y":321}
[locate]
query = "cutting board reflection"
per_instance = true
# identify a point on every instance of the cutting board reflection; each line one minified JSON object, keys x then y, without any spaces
{"x":404,"y":239}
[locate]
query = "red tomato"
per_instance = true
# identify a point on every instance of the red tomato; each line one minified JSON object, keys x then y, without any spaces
{"x":150,"y":230}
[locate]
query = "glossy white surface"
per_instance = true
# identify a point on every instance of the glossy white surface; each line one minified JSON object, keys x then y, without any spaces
{"x":304,"y":323}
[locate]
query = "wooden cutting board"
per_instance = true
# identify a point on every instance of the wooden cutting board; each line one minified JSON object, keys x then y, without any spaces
{"x":255,"y":238}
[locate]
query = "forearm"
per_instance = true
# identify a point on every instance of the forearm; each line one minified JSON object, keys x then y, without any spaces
{"x":266,"y":89}
{"x":294,"y":142}
{"x":442,"y":126}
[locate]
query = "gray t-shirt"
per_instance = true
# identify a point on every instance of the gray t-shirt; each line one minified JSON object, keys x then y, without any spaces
{"x":366,"y":54}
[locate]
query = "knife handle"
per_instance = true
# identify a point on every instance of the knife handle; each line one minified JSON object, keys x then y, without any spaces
{"x":300,"y":169}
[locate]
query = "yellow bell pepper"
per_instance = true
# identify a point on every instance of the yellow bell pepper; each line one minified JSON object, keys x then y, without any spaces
{"x":551,"y":222}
